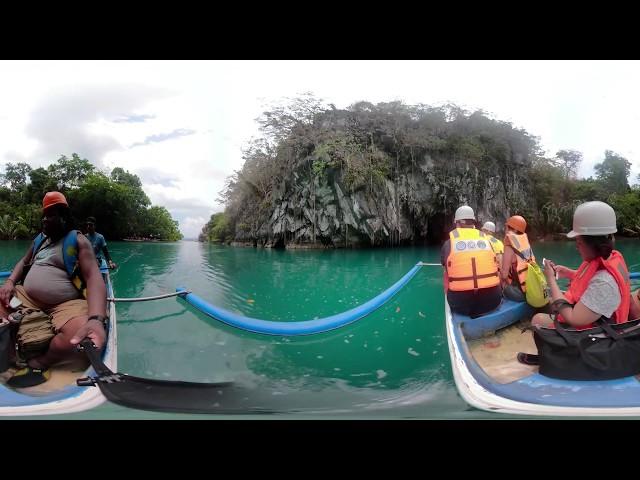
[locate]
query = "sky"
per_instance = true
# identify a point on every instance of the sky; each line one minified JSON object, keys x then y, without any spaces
{"x":181,"y":125}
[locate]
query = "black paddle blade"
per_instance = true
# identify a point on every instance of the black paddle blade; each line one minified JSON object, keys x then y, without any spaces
{"x":168,"y":396}
{"x":163,"y":395}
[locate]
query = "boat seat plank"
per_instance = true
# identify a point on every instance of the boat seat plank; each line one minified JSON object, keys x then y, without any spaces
{"x":496,"y":353}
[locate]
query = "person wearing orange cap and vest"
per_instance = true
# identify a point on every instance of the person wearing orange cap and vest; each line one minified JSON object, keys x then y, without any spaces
{"x":471,"y":279}
{"x":42,"y":280}
{"x":600,"y":286}
{"x":513,"y":267}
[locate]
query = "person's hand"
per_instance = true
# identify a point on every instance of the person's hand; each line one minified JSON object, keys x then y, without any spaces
{"x":111,"y":264}
{"x":549,"y":269}
{"x":563,"y":272}
{"x":94,"y":329}
{"x":6,"y":292}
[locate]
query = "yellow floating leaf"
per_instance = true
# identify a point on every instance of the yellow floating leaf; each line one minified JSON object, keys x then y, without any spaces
{"x":250,"y":301}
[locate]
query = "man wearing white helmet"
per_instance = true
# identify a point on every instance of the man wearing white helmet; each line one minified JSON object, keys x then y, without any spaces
{"x":599,"y":286}
{"x":471,"y":278}
{"x":489,"y":229}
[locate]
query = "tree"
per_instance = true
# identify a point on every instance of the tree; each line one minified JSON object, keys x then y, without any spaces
{"x":116,"y":199}
{"x":119,"y":175}
{"x":159,"y":225}
{"x":71,"y":172}
{"x":569,"y":161}
{"x":9,"y":227}
{"x":614,"y":173}
{"x":40,"y":183}
{"x":15,"y":176}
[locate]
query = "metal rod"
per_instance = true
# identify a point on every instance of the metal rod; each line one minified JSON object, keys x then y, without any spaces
{"x":144,"y":299}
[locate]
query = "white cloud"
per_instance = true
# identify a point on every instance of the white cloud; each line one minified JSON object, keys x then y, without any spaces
{"x":180,"y":125}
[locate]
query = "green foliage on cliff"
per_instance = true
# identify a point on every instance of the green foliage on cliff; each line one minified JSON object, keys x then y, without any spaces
{"x":393,"y":174}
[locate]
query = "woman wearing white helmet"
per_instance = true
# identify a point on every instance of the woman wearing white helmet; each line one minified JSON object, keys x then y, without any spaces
{"x":471,"y":279}
{"x":599,"y":286}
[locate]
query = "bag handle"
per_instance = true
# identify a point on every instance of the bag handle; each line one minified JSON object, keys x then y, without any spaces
{"x":604,"y":325}
{"x":561,"y":329}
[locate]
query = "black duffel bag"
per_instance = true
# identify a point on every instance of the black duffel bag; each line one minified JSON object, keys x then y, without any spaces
{"x":603,"y":352}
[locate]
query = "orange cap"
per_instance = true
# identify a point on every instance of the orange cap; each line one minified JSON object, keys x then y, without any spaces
{"x":518,"y":223}
{"x":53,"y":198}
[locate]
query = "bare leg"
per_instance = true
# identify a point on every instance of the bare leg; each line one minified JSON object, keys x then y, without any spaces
{"x":60,"y":350}
{"x":542,"y":319}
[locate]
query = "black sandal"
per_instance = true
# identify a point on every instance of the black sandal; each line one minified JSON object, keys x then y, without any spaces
{"x":528,"y":358}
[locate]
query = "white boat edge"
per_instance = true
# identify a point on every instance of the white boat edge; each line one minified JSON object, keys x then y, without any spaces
{"x":479,"y":397}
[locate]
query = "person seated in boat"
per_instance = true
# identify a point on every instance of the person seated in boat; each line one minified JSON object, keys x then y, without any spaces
{"x":634,"y":305}
{"x":98,"y":241}
{"x":471,"y":279}
{"x":599,"y":286}
{"x":513,"y":266}
{"x":47,"y":286}
{"x":489,"y":229}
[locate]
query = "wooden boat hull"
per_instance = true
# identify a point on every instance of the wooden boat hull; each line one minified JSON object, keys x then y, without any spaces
{"x":60,"y":394}
{"x":489,"y":377}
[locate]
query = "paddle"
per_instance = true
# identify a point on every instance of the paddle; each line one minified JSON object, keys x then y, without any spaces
{"x":162,"y":395}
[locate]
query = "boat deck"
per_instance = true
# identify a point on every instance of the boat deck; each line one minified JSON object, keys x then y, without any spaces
{"x":496,"y":353}
{"x":61,"y":376}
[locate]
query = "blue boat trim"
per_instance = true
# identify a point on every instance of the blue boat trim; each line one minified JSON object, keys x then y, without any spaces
{"x":306,"y":327}
{"x":534,"y":393}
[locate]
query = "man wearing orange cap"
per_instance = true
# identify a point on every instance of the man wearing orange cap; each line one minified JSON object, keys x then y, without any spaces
{"x":46,"y":286}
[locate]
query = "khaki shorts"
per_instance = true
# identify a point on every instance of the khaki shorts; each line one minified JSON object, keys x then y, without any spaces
{"x":60,"y":314}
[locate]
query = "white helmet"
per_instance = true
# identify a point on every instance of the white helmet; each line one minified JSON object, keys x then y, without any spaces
{"x":593,"y":219}
{"x":464,"y":213}
{"x":490,"y":226}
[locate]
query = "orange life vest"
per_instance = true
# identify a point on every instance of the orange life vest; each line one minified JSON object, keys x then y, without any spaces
{"x":616,"y":266}
{"x":520,"y":243}
{"x":472,"y":264}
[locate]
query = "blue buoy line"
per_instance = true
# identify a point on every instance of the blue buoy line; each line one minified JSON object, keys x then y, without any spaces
{"x":306,"y":327}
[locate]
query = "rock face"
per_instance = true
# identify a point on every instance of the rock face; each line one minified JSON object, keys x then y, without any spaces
{"x":413,"y":210}
{"x":378,"y":175}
